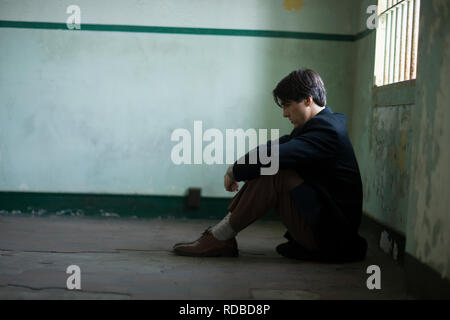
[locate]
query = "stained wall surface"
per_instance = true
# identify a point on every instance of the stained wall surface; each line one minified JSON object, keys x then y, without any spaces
{"x":401,"y":138}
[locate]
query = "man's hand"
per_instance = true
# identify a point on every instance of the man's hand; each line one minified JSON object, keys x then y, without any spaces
{"x":228,"y":181}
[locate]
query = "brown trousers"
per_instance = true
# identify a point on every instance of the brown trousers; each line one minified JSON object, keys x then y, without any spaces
{"x":257,"y":196}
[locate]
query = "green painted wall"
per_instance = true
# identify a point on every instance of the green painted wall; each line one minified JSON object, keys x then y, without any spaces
{"x":93,"y":112}
{"x":401,"y":137}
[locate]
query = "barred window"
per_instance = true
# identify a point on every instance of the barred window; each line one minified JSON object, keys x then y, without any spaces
{"x":397,"y":41}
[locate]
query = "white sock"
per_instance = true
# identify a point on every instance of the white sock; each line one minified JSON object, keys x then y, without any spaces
{"x":223,"y":230}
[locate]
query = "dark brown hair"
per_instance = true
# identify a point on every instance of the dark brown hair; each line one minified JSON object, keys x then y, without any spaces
{"x":300,"y":85}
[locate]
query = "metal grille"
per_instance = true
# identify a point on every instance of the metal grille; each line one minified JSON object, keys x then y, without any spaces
{"x":397,"y":41}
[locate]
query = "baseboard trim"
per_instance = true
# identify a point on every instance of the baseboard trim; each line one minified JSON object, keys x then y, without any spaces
{"x":113,"y":205}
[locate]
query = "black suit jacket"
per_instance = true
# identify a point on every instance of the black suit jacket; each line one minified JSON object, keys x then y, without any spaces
{"x":330,"y":199}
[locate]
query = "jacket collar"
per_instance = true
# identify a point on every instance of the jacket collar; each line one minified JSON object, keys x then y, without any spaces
{"x":327,"y":110}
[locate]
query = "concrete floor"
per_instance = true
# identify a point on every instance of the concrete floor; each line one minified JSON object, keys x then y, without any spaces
{"x":132,"y":259}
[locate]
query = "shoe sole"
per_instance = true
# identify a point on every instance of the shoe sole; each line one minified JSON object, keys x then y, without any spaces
{"x":182,"y":244}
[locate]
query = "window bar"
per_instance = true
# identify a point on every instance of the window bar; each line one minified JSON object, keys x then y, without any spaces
{"x":392,"y":51}
{"x":401,"y":73}
{"x":382,"y":5}
{"x":391,"y":5}
{"x":387,"y":47}
{"x":395,"y":66}
{"x":411,"y":71}
{"x":409,"y":28}
{"x":395,"y":39}
{"x":379,"y":67}
{"x":415,"y":39}
{"x":397,"y":43}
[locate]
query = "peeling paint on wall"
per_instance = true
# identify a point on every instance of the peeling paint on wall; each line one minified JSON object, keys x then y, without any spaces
{"x":430,"y":202}
{"x":24,"y":187}
{"x":293,"y":5}
{"x":432,"y":240}
{"x":388,"y":245}
{"x":385,"y":242}
{"x":397,"y":155}
{"x":438,"y":8}
{"x":404,"y":151}
{"x":388,"y":182}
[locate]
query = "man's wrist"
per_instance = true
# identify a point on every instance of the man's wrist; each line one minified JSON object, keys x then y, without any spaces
{"x":230,"y":172}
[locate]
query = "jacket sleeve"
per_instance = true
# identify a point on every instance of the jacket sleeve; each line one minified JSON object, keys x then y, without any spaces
{"x":316,"y":146}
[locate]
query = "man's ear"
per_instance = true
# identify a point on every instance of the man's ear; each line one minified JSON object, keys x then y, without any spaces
{"x":308,"y":101}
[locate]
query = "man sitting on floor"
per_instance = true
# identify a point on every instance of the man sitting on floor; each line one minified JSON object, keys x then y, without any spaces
{"x":317,"y":191}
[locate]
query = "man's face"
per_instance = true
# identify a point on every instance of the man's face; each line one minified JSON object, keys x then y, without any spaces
{"x":298,"y":113}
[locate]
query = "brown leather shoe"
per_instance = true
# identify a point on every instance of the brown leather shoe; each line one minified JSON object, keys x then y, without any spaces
{"x":207,"y":246}
{"x":189,"y":242}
